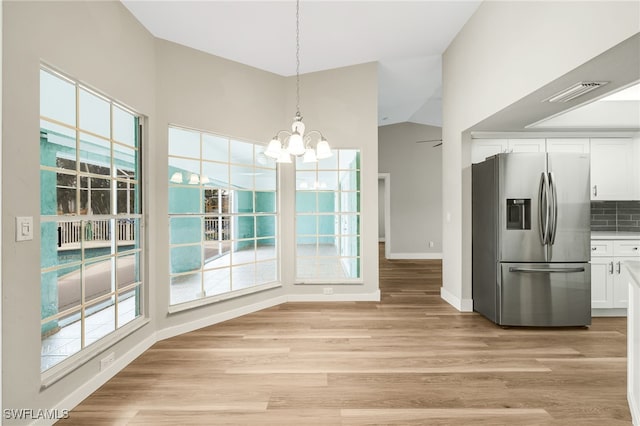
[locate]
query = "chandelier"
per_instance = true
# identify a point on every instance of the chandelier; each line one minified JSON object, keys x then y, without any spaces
{"x":285,"y":144}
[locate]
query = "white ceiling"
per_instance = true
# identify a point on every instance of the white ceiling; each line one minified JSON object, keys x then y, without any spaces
{"x":407,"y":38}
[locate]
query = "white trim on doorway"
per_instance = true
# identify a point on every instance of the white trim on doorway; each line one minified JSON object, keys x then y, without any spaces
{"x":386,"y":178}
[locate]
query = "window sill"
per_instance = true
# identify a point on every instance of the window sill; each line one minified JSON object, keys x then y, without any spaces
{"x":221,"y":297}
{"x":57,"y":372}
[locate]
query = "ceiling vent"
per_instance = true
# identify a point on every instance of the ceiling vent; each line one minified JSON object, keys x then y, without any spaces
{"x":576,"y":90}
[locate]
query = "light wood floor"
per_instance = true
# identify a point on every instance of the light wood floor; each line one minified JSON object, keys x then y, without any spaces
{"x":410,"y":359}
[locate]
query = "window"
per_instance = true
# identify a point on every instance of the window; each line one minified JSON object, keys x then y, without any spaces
{"x":91,"y":251}
{"x":328,"y":218}
{"x":222,"y":216}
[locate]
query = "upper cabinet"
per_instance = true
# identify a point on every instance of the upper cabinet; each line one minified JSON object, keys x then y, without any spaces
{"x":580,"y":145}
{"x":483,"y":148}
{"x":612,"y":169}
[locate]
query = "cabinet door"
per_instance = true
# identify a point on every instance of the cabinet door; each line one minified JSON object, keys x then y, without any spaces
{"x":612,"y":169}
{"x":526,"y":145}
{"x":621,"y":282}
{"x":602,"y":269}
{"x":483,"y":148}
{"x":580,"y":145}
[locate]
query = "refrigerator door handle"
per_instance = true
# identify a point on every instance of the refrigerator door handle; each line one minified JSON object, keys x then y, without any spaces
{"x":546,"y":270}
{"x":543,"y":212}
{"x":554,"y":209}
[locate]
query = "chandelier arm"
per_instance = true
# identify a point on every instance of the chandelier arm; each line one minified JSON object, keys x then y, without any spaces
{"x":288,"y":133}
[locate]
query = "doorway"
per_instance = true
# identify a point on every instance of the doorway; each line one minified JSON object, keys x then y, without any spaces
{"x":384,"y":212}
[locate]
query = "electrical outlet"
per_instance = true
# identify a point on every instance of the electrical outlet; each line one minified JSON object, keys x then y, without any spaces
{"x":328,"y":290}
{"x":431,"y":244}
{"x":107,"y":361}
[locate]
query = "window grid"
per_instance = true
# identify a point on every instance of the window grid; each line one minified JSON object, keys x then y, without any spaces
{"x":328,"y":218}
{"x":222,"y":224}
{"x":110,"y":222}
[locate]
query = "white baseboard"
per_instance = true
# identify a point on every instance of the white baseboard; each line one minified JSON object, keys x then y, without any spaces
{"x":217,"y":318}
{"x":414,"y":256}
{"x":463,"y":305}
{"x":614,"y":312}
{"x":381,"y":240}
{"x":89,"y":387}
{"x":336,"y":297}
{"x":634,"y":408}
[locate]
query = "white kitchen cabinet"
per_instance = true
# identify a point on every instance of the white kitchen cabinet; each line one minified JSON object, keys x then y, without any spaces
{"x":580,"y":145}
{"x":609,"y":278}
{"x":612,"y":169}
{"x":483,"y":148}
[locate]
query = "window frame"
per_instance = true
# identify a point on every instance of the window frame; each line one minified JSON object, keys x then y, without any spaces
{"x":112,"y":220}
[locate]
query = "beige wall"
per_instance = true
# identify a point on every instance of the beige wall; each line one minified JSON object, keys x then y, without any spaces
{"x":416,"y":188}
{"x":102,"y":45}
{"x":504,"y":52}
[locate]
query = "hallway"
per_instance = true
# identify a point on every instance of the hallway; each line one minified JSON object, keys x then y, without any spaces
{"x":409,"y":359}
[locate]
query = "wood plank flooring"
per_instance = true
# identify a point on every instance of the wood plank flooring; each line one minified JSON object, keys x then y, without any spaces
{"x":410,"y":359}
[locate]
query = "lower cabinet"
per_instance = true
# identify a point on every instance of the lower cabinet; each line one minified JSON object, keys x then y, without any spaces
{"x":609,"y":278}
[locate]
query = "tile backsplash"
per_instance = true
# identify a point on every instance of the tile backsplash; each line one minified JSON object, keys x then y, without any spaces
{"x":622,"y":216}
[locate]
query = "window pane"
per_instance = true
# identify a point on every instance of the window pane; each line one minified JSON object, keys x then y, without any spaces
{"x":127,"y":234}
{"x":217,"y":281}
{"x":95,"y":196}
{"x":330,"y":163}
{"x":244,"y":252}
{"x":57,"y":146}
{"x":98,"y":279}
{"x":349,"y":180}
{"x":242,"y":177}
{"x":127,"y":198}
{"x":185,"y":288}
{"x":215,"y":175}
{"x":243,"y":276}
{"x":265,"y":226}
{"x":327,"y":224}
{"x":245,"y":227}
{"x":349,"y":159}
{"x":306,"y":201}
{"x":60,"y":339}
{"x":124,"y":126}
{"x":241,"y":152}
{"x":266,"y":272}
{"x":184,"y":143}
{"x":265,"y":180}
{"x":95,"y":155}
{"x":57,"y":98}
{"x":327,"y":202}
{"x":184,"y":172}
{"x":243,"y":202}
{"x":215,"y":148}
{"x":186,"y":259}
{"x":350,"y":202}
{"x":126,"y":162}
{"x":306,"y":224}
{"x":262,"y":160}
{"x":266,"y":249}
{"x":184,"y":200}
{"x":99,"y":321}
{"x":301,"y":165}
{"x":328,"y":181}
{"x":265,"y":202}
{"x":185,"y":230}
{"x":95,"y":114}
{"x":350,"y":224}
{"x":217,"y":254}
{"x":129,"y":306}
{"x":128,"y":269}
{"x":306,"y":181}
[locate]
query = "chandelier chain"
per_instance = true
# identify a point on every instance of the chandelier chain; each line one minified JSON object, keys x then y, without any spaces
{"x":298,"y":57}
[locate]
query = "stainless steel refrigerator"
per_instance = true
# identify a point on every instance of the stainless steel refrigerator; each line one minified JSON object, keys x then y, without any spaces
{"x":531,"y":239}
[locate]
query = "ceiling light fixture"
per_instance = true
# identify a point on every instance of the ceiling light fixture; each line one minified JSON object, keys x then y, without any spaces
{"x":296,"y":142}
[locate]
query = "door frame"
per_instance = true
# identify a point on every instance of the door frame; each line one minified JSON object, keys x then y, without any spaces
{"x":386,"y":178}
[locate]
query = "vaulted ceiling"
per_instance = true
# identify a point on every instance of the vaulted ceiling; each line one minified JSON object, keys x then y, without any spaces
{"x":406,"y":38}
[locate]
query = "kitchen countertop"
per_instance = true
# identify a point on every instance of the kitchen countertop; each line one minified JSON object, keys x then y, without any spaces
{"x":613,"y":235}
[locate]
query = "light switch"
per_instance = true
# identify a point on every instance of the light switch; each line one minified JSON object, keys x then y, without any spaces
{"x":24,"y":228}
